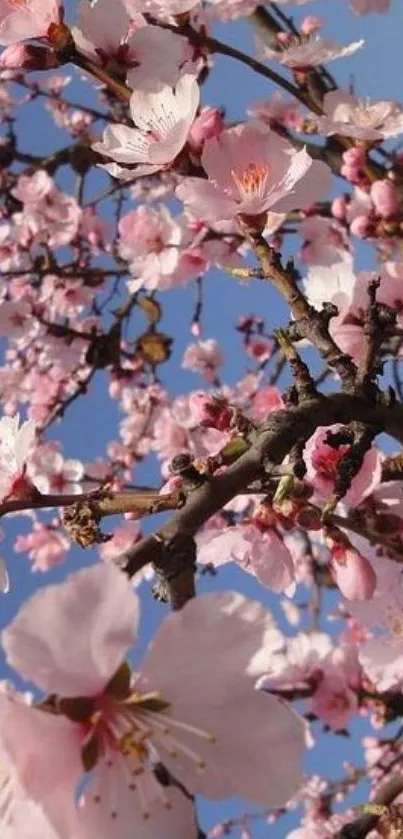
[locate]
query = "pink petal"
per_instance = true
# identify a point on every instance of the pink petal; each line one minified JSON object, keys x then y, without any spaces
{"x":71,"y":638}
{"x":45,"y":751}
{"x":313,"y":187}
{"x":204,"y":661}
{"x":205,"y":201}
{"x":112,"y":810}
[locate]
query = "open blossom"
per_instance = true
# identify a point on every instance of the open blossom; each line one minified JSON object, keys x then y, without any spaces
{"x":52,"y":473}
{"x":277,"y":111}
{"x":309,"y":52}
{"x":46,"y":546}
{"x":23,"y":19}
{"x":203,"y":721}
{"x":16,"y":443}
{"x":149,"y":239}
{"x":322,"y":460}
{"x":353,"y":117}
{"x":152,"y":56}
{"x":48,"y":215}
{"x":163,"y":119}
{"x":251,"y":170}
{"x":204,"y":357}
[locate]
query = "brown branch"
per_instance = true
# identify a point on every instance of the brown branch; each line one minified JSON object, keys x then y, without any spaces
{"x":200,"y":39}
{"x":118,"y":88}
{"x":309,"y":323}
{"x":275,"y":438}
{"x":360,"y":827}
{"x":103,"y":502}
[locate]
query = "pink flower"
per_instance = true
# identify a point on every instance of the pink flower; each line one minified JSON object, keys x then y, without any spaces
{"x":210,"y":411}
{"x":322,"y":461}
{"x":204,"y":358}
{"x":266,"y":400}
{"x":163,"y":121}
{"x":53,"y":474}
{"x":325,"y":243}
{"x":310,"y":52}
{"x":16,"y":444}
{"x":352,"y":117}
{"x":252,"y":170}
{"x":149,"y":238}
{"x":23,"y":19}
{"x":49,"y":215}
{"x":46,"y":546}
{"x":157,"y":57}
{"x":152,"y":56}
{"x":172,"y":711}
{"x":32,"y":189}
{"x":277,"y":111}
{"x":102,"y":30}
{"x":334,"y":702}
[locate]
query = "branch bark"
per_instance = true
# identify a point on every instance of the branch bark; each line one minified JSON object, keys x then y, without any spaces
{"x":274,"y":440}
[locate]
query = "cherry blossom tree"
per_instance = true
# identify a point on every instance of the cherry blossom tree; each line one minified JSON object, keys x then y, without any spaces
{"x":281,"y":474}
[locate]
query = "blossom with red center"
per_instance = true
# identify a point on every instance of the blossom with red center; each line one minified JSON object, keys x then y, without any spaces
{"x":203,"y":721}
{"x":164,"y":119}
{"x":322,"y":460}
{"x":251,"y":170}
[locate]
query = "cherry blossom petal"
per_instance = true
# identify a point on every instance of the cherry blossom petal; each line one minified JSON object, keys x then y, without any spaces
{"x":98,"y":604}
{"x":218,"y":697}
{"x":44,"y":749}
{"x":315,"y":185}
{"x":124,"y":144}
{"x":120,"y":814}
{"x":204,"y":200}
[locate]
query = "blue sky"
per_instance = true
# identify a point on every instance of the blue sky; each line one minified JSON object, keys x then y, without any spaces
{"x":375,"y":71}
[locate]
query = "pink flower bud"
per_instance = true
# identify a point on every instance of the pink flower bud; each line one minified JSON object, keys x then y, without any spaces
{"x":311,"y":24}
{"x":360,"y":227}
{"x":206,"y":126}
{"x":353,"y":573}
{"x":383,"y":194}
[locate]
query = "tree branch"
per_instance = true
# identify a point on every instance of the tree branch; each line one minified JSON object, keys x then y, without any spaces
{"x":273,"y":441}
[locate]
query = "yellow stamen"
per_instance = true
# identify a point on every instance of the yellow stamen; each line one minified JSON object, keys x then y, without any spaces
{"x":252,"y":178}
